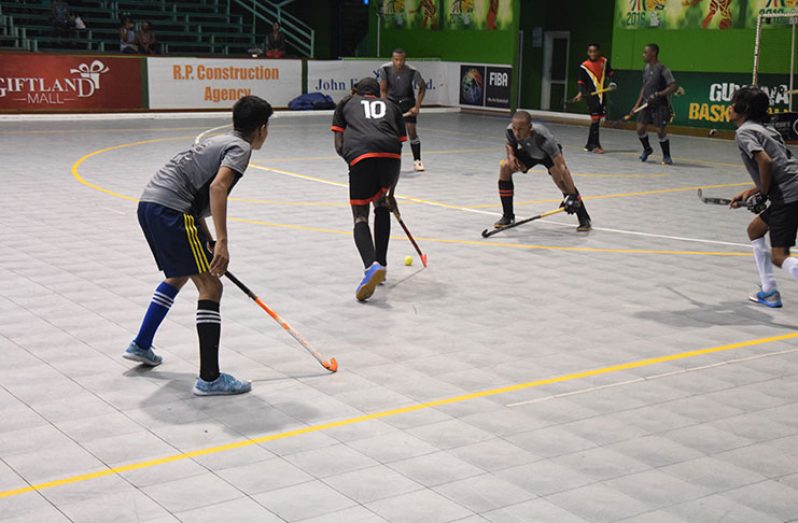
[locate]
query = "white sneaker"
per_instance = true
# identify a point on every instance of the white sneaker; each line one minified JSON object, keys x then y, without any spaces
{"x":418,"y":166}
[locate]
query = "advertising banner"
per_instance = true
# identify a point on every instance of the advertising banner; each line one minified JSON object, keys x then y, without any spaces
{"x":64,"y":83}
{"x":336,"y":78}
{"x":216,"y":83}
{"x":706,"y":99}
{"x":698,"y":14}
{"x":499,"y":88}
{"x":490,"y":15}
{"x":410,"y":14}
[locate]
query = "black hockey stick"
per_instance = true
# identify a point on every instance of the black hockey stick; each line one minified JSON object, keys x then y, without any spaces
{"x":486,"y":233}
{"x":719,"y":201}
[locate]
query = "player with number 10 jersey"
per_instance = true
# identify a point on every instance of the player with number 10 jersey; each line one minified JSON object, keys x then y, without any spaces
{"x":369,"y":132}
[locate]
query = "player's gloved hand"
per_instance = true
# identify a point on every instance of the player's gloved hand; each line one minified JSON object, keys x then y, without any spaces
{"x":571,"y":203}
{"x":391,"y":201}
{"x":653,"y":97}
{"x":757,"y":202}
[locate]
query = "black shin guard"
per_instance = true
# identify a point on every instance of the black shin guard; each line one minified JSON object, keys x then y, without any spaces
{"x":506,"y":193}
{"x":581,"y":212}
{"x":593,"y":136}
{"x":415,"y":146}
{"x":646,"y":144}
{"x":665,"y":145}
{"x":209,"y":330}
{"x":382,"y":233}
{"x":364,"y":243}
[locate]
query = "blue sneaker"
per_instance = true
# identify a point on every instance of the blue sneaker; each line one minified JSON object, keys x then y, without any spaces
{"x":224,"y":385}
{"x":770,"y":299}
{"x":146,"y":357}
{"x":645,"y":154}
{"x":373,"y":277}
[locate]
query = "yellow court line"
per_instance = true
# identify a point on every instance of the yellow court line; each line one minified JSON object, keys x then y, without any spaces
{"x":394,"y":412}
{"x":76,"y":166}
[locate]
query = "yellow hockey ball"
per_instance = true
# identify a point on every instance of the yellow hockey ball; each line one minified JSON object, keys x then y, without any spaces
{"x":408,"y":260}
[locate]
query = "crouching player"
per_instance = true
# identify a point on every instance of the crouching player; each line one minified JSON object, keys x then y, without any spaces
{"x":369,"y":132}
{"x":529,"y":145}
{"x":191,"y":186}
{"x":774,"y":171}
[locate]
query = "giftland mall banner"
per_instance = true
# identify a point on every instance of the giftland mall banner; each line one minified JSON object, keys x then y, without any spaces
{"x":698,"y":14}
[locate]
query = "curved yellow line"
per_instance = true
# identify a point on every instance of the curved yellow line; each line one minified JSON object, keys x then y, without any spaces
{"x":524,"y":246}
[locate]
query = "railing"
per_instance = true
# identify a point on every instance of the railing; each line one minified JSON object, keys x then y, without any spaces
{"x":297,"y":32}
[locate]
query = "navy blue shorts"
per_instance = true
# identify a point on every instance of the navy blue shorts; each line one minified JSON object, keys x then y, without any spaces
{"x":178,"y":245}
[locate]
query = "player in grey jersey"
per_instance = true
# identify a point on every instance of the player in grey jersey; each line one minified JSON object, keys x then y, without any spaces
{"x":658,"y":85}
{"x":397,"y":81}
{"x":191,"y":186}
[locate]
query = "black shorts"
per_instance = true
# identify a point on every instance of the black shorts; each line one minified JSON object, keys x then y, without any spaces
{"x":176,"y":242}
{"x":595,"y":107}
{"x":782,"y":220}
{"x":405,"y":104}
{"x":659,"y":115}
{"x":529,"y":162}
{"x":371,"y":178}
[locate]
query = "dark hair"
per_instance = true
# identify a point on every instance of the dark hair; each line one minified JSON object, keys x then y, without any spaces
{"x":751,"y":102}
{"x":593,"y":44}
{"x":367,"y":85}
{"x":249,"y":113}
{"x":398,"y":50}
{"x":653,"y":47}
{"x":523,"y":115}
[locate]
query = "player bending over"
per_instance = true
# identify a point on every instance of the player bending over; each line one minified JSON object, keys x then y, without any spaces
{"x":369,"y":132}
{"x":774,"y":171}
{"x":658,"y":85}
{"x":527,"y":146}
{"x":397,"y":79}
{"x":592,"y":74}
{"x":191,"y":186}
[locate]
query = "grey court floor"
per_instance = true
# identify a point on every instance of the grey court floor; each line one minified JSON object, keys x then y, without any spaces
{"x":539,"y":375}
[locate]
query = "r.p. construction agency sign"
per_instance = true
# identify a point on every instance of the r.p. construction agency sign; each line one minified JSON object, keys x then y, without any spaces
{"x":217,"y":83}
{"x":62,"y":83}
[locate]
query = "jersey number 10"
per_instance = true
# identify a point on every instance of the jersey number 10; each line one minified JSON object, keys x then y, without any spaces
{"x":374,"y":109}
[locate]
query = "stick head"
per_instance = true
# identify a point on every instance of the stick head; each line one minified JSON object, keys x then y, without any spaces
{"x":424,"y":260}
{"x":331,"y":366}
{"x":612,"y":86}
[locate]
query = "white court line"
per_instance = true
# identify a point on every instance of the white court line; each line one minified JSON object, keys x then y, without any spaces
{"x":203,"y":134}
{"x":491,"y":213}
{"x":648,"y":378}
{"x":113,"y":210}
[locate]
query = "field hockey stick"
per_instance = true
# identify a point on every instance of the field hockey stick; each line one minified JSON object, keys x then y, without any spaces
{"x":486,"y":233}
{"x":610,"y":87}
{"x":678,"y":92}
{"x":331,"y":366}
{"x":410,"y":236}
{"x":717,"y":201}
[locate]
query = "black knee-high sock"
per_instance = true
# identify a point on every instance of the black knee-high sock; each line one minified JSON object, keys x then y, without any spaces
{"x":382,"y":233}
{"x":209,"y":329}
{"x":506,"y":193}
{"x":596,"y":132}
{"x":365,"y":245}
{"x":592,"y":135}
{"x":415,"y":146}
{"x":581,"y":212}
{"x":645,"y":142}
{"x":665,"y":145}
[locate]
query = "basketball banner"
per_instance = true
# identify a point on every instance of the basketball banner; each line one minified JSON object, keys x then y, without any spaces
{"x":65,"y":83}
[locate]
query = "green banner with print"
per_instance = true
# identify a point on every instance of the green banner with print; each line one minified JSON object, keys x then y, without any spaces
{"x":698,"y":14}
{"x":411,"y":14}
{"x":481,"y":15}
{"x":705,"y":102}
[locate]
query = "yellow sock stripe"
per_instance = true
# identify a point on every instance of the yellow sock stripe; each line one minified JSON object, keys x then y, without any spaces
{"x":400,"y":410}
{"x":187,"y":223}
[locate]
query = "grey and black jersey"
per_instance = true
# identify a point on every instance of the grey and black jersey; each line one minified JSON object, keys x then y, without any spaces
{"x":656,"y":77}
{"x":372,"y":128}
{"x":401,"y":83}
{"x":539,"y":145}
{"x":183,"y":184}
{"x":752,"y":138}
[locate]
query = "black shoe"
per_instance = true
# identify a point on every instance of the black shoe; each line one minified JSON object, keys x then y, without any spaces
{"x":646,"y":153}
{"x":504,"y":221}
{"x":584,"y":225}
